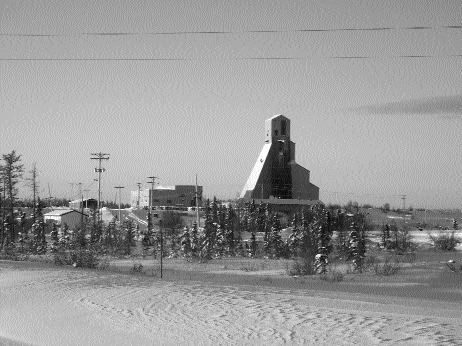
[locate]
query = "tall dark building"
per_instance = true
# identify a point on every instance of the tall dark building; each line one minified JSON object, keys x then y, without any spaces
{"x":276,"y":174}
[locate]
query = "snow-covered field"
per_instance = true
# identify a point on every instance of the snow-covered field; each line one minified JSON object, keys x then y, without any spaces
{"x":45,"y":305}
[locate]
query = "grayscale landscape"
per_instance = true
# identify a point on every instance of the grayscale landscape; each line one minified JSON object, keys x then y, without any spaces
{"x":230,"y":172}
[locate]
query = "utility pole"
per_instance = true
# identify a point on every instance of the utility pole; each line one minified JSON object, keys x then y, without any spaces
{"x":99,"y":156}
{"x":161,"y":247}
{"x":197,"y":207}
{"x":139,"y":191}
{"x":120,"y":190}
{"x":81,"y":203}
{"x":152,"y":182}
{"x":49,"y":197}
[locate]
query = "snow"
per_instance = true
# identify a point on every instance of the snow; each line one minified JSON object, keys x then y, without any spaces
{"x":46,"y":305}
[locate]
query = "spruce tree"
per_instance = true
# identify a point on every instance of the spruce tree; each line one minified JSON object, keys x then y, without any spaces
{"x":195,"y":245}
{"x":261,"y":217}
{"x":54,"y":238}
{"x":209,"y":231}
{"x":38,"y":231}
{"x":129,"y":236}
{"x":63,"y":237}
{"x":341,"y":230}
{"x":220,"y":243}
{"x":357,"y":242}
{"x":253,"y":245}
{"x":268,"y":220}
{"x":274,"y":245}
{"x":12,"y":172}
{"x":185,"y":242}
{"x":229,"y":229}
{"x":386,"y":237}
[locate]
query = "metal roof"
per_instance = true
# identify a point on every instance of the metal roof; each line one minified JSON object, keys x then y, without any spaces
{"x":277,"y":116}
{"x":61,"y":212}
{"x":256,"y":170}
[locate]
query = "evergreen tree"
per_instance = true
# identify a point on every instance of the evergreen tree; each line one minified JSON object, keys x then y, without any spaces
{"x":341,"y":230}
{"x":80,"y":237}
{"x":64,"y":240}
{"x":94,"y":228}
{"x":214,"y":210}
{"x":209,"y":231}
{"x":220,"y":243}
{"x":185,"y":241}
{"x":261,"y":217}
{"x":54,"y":238}
{"x":195,"y":245}
{"x":274,"y":245}
{"x":229,"y":229}
{"x":252,"y":217}
{"x":38,"y":245}
{"x":173,"y":245}
{"x":222,"y":216}
{"x":129,"y":231}
{"x":357,"y":242}
{"x":268,"y":221}
{"x":12,"y":172}
{"x":386,"y":237}
{"x":244,"y":218}
{"x":253,"y":244}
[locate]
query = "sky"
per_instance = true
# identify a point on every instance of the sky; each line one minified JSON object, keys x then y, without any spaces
{"x":172,"y":89}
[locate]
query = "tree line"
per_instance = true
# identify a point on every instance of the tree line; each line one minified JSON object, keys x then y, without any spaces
{"x":244,"y":229}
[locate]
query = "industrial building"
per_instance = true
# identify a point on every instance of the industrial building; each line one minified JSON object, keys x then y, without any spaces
{"x":171,"y":196}
{"x":70,"y":217}
{"x":79,"y":204}
{"x":276,"y":175}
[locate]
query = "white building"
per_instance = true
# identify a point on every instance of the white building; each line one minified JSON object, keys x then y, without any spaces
{"x":70,"y":217}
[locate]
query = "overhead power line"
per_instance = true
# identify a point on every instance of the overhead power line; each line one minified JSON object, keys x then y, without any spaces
{"x":227,"y":32}
{"x":339,"y":57}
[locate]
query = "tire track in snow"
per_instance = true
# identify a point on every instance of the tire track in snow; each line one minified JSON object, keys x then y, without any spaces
{"x":171,"y":313}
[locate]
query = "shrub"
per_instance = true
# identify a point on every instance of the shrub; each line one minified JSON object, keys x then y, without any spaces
{"x":444,"y":241}
{"x":103,"y":264}
{"x":453,"y":267}
{"x":78,"y":258}
{"x":369,"y":262}
{"x":388,"y":267}
{"x":408,"y":257}
{"x":137,"y":268}
{"x":302,"y":266}
{"x":332,"y":276}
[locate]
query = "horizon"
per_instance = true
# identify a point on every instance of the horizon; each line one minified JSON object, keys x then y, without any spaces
{"x":373,"y":92}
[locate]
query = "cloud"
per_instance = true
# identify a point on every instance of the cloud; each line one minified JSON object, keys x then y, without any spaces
{"x":447,"y":106}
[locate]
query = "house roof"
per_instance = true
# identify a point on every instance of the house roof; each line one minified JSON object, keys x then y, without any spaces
{"x":61,"y":212}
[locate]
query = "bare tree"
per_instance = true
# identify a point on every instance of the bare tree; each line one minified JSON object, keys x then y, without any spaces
{"x":34,"y":185}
